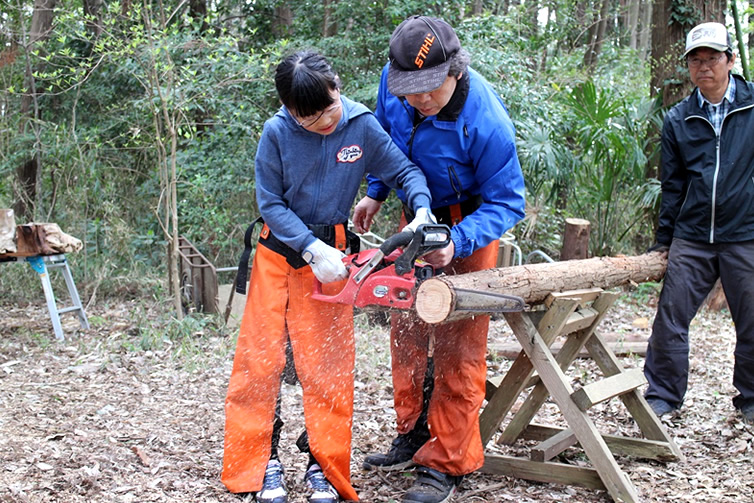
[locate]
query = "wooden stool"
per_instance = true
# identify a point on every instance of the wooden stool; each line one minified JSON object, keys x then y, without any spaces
{"x":574,"y":314}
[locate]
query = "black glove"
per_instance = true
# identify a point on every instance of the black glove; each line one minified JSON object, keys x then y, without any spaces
{"x":658,"y":247}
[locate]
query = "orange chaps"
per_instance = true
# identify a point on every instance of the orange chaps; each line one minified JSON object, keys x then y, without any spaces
{"x":322,"y":340}
{"x":460,"y":373}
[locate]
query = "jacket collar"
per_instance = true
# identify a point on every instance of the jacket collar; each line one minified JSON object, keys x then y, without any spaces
{"x":743,"y":97}
{"x":452,"y":110}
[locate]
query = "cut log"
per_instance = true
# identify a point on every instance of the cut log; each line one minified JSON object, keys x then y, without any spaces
{"x":57,"y":240}
{"x":575,"y":239}
{"x":43,"y":239}
{"x":446,"y":298}
{"x":7,"y":231}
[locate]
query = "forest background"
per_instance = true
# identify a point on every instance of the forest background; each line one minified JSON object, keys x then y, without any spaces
{"x":131,"y":123}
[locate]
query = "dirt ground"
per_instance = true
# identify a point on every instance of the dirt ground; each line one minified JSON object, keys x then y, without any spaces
{"x":131,"y":410}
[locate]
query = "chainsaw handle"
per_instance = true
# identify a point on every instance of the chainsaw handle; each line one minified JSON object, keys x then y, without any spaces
{"x":347,"y":295}
{"x":428,"y":237}
{"x":395,"y":241}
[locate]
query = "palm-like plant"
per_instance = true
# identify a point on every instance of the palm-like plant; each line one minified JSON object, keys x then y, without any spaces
{"x":610,"y":141}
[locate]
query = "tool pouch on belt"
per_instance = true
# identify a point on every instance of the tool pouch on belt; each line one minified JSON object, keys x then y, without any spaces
{"x":342,"y":239}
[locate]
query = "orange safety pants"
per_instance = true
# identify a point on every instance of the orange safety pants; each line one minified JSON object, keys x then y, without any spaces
{"x":322,"y":340}
{"x":460,"y":373}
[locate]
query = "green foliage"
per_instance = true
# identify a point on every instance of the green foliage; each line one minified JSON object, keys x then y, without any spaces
{"x":644,"y":292}
{"x":684,"y":13}
{"x":101,"y":135}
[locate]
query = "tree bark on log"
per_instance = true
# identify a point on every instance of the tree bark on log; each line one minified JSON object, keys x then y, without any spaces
{"x":447,"y":298}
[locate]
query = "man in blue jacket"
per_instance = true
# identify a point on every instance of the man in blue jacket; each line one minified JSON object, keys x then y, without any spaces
{"x":706,"y":218}
{"x":454,"y":126}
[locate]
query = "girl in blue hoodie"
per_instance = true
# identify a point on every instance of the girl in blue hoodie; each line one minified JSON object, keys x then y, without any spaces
{"x":311,"y":159}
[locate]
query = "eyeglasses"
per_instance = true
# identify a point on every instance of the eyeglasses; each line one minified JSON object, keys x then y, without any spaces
{"x":695,"y":62}
{"x":311,"y":120}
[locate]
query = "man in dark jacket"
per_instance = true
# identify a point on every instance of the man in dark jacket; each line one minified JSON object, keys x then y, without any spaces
{"x":706,"y":218}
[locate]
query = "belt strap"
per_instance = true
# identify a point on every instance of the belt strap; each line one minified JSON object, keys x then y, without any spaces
{"x":340,"y":237}
{"x":242,"y":276}
{"x":456,"y":215}
{"x":333,"y":235}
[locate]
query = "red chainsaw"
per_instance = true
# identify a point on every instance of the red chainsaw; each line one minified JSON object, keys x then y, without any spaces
{"x":388,"y":276}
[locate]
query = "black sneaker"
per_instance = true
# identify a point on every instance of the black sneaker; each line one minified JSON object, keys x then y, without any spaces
{"x":400,"y":455}
{"x":660,"y":407}
{"x":273,"y":487}
{"x":432,"y":486}
{"x":747,"y":411}
{"x":321,"y":490}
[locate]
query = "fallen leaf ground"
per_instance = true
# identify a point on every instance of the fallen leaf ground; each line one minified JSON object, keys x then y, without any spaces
{"x":131,"y":410}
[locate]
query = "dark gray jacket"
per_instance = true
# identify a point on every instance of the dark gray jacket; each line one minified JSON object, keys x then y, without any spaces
{"x":708,"y":181}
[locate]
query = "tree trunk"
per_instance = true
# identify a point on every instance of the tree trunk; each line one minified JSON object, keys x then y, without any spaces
{"x":575,"y":239}
{"x":716,"y":300}
{"x":28,"y":172}
{"x":646,"y":29}
{"x":329,"y":26}
{"x":632,"y":20}
{"x":165,"y":116}
{"x":42,"y":239}
{"x":447,"y":298}
{"x":283,"y":21}
{"x":596,"y":37}
{"x":669,"y":78}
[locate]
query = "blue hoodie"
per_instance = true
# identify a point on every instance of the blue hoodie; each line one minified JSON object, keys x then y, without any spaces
{"x":305,"y":178}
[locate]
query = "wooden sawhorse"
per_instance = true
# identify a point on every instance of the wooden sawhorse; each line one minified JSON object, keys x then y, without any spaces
{"x":575,"y":315}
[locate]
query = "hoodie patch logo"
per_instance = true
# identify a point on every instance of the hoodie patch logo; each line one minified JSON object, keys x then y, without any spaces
{"x":350,"y":154}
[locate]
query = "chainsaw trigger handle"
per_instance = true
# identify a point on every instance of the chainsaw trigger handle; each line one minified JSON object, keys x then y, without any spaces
{"x":396,"y":240}
{"x":427,"y":237}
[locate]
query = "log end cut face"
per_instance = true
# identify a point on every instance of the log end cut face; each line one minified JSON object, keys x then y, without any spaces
{"x":435,"y":300}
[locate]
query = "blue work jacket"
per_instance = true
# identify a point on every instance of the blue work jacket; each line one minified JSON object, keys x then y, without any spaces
{"x":467,"y":151}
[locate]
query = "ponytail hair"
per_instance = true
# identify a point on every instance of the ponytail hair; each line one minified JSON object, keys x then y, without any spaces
{"x":305,"y":81}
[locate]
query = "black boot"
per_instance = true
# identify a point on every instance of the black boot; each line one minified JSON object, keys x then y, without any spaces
{"x":405,"y":445}
{"x":432,"y":486}
{"x":400,"y":454}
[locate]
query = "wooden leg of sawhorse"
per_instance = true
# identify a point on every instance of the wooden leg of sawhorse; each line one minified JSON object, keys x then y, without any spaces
{"x":557,"y":384}
{"x":565,"y":357}
{"x":517,"y":377}
{"x":637,"y":406}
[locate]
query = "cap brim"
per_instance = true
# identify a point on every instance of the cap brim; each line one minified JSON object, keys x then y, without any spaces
{"x":402,"y":83}
{"x":717,"y":47}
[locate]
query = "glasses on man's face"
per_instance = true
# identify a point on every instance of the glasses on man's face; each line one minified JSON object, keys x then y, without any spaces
{"x":696,"y":62}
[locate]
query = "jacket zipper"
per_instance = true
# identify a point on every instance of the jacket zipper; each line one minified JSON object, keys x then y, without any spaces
{"x":717,"y":164}
{"x":452,"y":178}
{"x":411,"y":142}
{"x":714,"y":186}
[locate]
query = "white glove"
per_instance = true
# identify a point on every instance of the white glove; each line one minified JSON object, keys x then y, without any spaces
{"x":326,"y":261}
{"x":423,"y":216}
